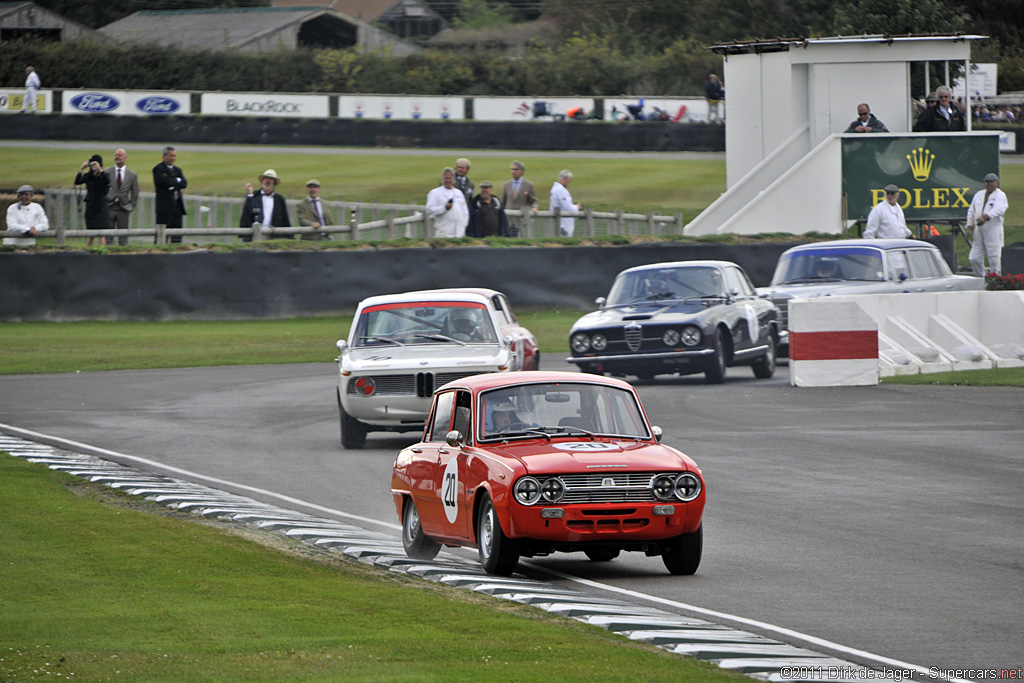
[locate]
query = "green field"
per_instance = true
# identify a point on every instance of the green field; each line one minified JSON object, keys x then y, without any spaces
{"x":101,"y":586}
{"x":663,"y":184}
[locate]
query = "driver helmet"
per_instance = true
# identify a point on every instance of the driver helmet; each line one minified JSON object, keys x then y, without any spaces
{"x":463,"y":321}
{"x":657,"y":283}
{"x":826,"y":266}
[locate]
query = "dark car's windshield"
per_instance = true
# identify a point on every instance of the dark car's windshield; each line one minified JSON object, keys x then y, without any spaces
{"x":429,"y":322}
{"x":659,"y":284}
{"x":551,"y":409}
{"x":829,"y":265}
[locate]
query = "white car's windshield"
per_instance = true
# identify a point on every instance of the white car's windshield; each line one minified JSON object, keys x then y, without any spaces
{"x":430,"y":322}
{"x":656,"y":284}
{"x":557,"y":408}
{"x":829,"y":265}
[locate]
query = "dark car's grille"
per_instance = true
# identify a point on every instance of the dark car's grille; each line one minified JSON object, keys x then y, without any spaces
{"x":607,"y":487}
{"x":783,"y":305}
{"x":421,"y":384}
{"x":634,"y":336}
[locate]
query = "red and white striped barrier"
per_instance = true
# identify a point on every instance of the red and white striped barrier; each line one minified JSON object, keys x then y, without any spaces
{"x":831,"y":343}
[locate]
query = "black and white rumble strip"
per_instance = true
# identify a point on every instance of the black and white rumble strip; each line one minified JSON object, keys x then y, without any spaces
{"x":755,"y":655}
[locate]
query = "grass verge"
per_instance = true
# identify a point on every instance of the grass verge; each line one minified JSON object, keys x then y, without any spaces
{"x":45,"y":347}
{"x":96,"y":589}
{"x":998,"y":377}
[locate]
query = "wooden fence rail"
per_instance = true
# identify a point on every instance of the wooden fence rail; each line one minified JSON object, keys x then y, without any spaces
{"x":212,"y":219}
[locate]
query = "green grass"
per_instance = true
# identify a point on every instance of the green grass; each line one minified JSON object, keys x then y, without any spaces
{"x":998,"y":377}
{"x":94,"y":588}
{"x":664,"y":185}
{"x":45,"y":347}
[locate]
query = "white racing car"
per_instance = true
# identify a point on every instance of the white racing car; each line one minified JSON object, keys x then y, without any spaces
{"x":402,"y":346}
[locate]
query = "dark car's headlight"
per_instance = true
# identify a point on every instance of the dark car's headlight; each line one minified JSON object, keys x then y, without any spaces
{"x":579,"y":342}
{"x":671,"y":337}
{"x":599,"y":342}
{"x":527,"y":490}
{"x":691,"y":336}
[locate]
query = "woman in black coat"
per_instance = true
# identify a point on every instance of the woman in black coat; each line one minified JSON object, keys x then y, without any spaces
{"x":97,"y":208}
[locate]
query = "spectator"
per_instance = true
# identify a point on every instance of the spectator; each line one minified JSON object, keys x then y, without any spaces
{"x":518,"y":193}
{"x":312,"y":212}
{"x":124,"y":193}
{"x":462,"y":181}
{"x":487,"y":214}
{"x":266,"y":208}
{"x":714,"y":93}
{"x":32,"y":85}
{"x":561,"y":199}
{"x":866,"y":122}
{"x":25,"y":217}
{"x":985,"y":218}
{"x":97,"y":209}
{"x":448,"y":207}
{"x":886,"y":219}
{"x":169,"y":181}
{"x":944,"y":116}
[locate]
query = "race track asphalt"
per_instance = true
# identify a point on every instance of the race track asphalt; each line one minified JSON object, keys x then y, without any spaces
{"x":885,"y":519}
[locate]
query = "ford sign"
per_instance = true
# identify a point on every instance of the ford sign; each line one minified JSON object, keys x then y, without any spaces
{"x":95,"y":102}
{"x":157,"y":105}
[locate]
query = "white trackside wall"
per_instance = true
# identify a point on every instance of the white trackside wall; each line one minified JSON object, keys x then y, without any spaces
{"x":916,"y":333}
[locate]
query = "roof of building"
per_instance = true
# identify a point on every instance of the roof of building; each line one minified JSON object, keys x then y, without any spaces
{"x":761,"y":45}
{"x":216,"y":29}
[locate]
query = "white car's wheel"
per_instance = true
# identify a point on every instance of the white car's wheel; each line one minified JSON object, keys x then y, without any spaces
{"x":353,"y":432}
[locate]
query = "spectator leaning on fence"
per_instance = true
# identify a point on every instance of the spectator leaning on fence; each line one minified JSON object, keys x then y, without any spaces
{"x":447,"y":205}
{"x":267,"y":208}
{"x":561,"y":199}
{"x":124,"y":193}
{"x":311,"y":212}
{"x":169,"y":181}
{"x":25,"y":217}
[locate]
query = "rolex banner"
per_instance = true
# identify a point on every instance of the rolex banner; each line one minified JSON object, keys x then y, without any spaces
{"x":937,"y":174}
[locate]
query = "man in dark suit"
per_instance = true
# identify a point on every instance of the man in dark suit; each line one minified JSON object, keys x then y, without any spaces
{"x":123,"y":194}
{"x":169,"y":181}
{"x":266,"y":208}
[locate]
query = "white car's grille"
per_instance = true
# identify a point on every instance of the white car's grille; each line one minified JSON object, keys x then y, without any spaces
{"x":421,"y":384}
{"x":620,"y":487}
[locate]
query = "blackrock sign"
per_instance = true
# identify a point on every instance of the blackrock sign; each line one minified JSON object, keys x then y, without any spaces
{"x":269,"y":105}
{"x":937,"y":174}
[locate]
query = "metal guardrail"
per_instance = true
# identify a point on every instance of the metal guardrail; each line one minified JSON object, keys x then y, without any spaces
{"x":211,"y":219}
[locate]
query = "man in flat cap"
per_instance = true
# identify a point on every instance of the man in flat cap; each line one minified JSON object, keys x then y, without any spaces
{"x":486,"y":214}
{"x":985,"y":219}
{"x":266,"y":208}
{"x":25,"y":217}
{"x":312,"y":212}
{"x":886,"y":219}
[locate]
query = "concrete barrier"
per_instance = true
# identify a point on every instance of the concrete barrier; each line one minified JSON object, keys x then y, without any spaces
{"x":914,"y":334}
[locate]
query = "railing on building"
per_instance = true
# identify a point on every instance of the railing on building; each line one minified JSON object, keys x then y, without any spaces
{"x":212,"y":219}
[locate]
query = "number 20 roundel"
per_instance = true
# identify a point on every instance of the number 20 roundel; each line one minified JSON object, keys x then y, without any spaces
{"x":450,"y":490}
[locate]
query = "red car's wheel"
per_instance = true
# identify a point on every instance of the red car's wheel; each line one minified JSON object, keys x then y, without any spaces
{"x":682,"y":556}
{"x":417,"y":546}
{"x":498,"y":553}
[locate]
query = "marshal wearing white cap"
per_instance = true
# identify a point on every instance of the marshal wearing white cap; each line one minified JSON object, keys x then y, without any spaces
{"x":25,"y":217}
{"x":985,"y":218}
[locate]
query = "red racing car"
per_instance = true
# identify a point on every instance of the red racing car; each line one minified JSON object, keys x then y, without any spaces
{"x":524,"y":464}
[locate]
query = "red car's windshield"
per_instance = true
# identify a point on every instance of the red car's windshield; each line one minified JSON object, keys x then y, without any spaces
{"x":559,"y":407}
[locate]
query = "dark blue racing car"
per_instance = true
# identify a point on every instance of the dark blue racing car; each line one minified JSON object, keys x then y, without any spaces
{"x":684,"y":317}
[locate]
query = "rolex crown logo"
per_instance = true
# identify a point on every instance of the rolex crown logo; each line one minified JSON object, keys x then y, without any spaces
{"x":921,"y":163}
